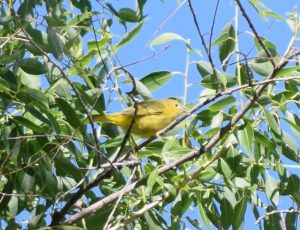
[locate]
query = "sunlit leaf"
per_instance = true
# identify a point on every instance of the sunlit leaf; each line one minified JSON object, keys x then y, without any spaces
{"x":130,"y":35}
{"x":156,"y":80}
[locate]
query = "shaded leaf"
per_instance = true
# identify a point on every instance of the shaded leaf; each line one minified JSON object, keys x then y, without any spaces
{"x":239,"y":213}
{"x":32,"y":66}
{"x":30,"y":125}
{"x":69,"y":112}
{"x":130,"y":35}
{"x":128,"y":15}
{"x":55,"y":43}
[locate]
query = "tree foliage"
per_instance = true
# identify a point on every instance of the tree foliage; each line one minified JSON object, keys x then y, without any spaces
{"x":59,"y":65}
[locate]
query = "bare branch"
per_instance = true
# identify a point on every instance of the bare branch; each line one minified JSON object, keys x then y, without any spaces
{"x":205,"y":47}
{"x":277,"y":212}
{"x":213,"y":26}
{"x":259,"y":40}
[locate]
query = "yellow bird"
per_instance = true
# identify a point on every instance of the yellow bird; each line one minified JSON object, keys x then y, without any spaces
{"x":152,"y":116}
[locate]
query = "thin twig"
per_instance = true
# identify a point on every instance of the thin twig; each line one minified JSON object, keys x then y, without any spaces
{"x":135,"y":105}
{"x":259,"y":40}
{"x":276,"y":212}
{"x":140,"y":212}
{"x":173,"y":13}
{"x":154,"y":54}
{"x":213,"y":26}
{"x":25,"y":195}
{"x":205,"y":47}
{"x":118,"y":200}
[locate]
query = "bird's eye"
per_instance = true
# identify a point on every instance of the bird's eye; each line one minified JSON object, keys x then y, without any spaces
{"x":176,"y":105}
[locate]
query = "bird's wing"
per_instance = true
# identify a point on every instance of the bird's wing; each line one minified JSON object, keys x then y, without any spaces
{"x":146,"y":108}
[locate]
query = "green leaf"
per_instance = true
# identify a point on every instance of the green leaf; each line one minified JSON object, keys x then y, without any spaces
{"x":204,"y":68}
{"x":226,"y":213}
{"x":55,"y":43}
{"x":92,"y":221}
{"x":241,"y":183}
{"x":152,"y":179}
{"x":222,"y":38}
{"x":213,"y":215}
{"x":172,"y":150}
{"x":293,"y":187}
{"x":269,"y":45}
{"x":32,"y":66}
{"x":290,"y":154}
{"x":64,"y":168}
{"x":27,"y":8}
{"x":291,"y":219}
{"x":97,"y":44}
{"x":168,"y":37}
{"x":263,"y":140}
{"x":30,"y":81}
{"x":69,"y":112}
{"x":152,"y":221}
{"x":239,"y":213}
{"x":36,"y":113}
{"x":226,"y":80}
{"x":181,"y":203}
{"x":289,"y":141}
{"x":156,"y":80}
{"x":227,"y":46}
{"x":6,"y":19}
{"x":272,"y":190}
{"x":164,"y":38}
{"x":142,"y":89}
{"x":275,"y":15}
{"x":221,"y":104}
{"x":128,"y":15}
{"x":203,"y":215}
{"x":272,"y":221}
{"x":130,"y":35}
{"x":288,"y":71}
{"x":263,"y":68}
{"x":13,"y":206}
{"x":40,"y":39}
{"x":272,"y":123}
{"x":246,"y":74}
{"x":245,"y":136}
{"x":49,"y":181}
{"x":226,"y":170}
{"x":30,"y":125}
{"x":171,"y":188}
{"x":34,"y":96}
{"x":27,"y":183}
{"x":82,"y":17}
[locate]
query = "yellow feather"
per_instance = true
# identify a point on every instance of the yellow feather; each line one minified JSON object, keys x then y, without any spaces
{"x":152,"y":116}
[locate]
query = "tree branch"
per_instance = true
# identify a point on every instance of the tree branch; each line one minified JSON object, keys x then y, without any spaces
{"x":277,"y":212}
{"x":259,"y":40}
